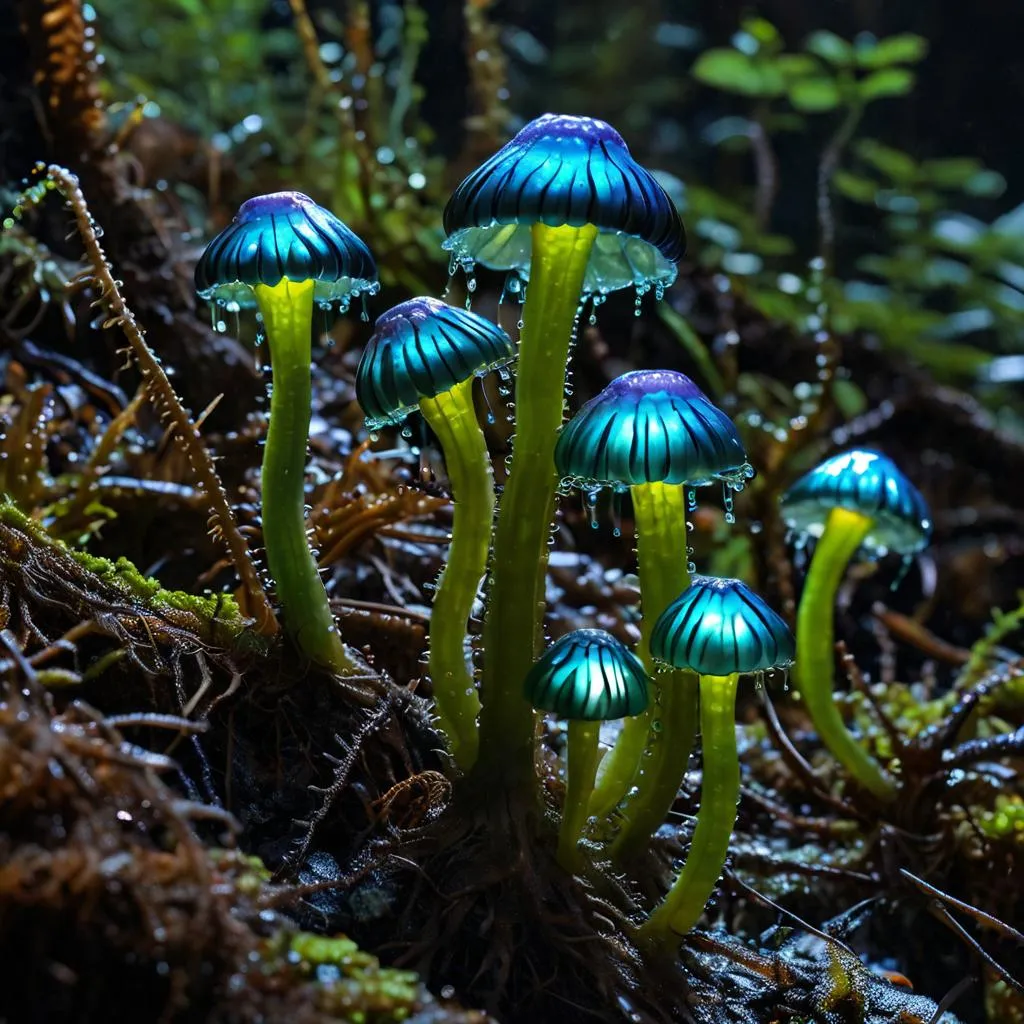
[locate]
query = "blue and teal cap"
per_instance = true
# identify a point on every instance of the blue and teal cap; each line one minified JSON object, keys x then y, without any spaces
{"x":588,"y":676}
{"x":285,"y":235}
{"x":420,"y":349}
{"x":867,"y":482}
{"x":718,"y":627}
{"x":562,"y":169}
{"x":650,"y":426}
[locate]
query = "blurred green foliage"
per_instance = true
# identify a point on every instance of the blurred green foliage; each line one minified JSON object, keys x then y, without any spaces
{"x":935,"y":281}
{"x":908,"y":254}
{"x":334,"y":115}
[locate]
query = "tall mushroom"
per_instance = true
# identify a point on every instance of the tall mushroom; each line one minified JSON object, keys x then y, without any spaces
{"x":425,"y":354}
{"x":566,"y":208}
{"x":858,"y":500}
{"x":283,"y":254}
{"x":720,"y":629}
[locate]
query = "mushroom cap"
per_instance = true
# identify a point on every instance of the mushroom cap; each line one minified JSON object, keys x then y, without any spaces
{"x":422,"y":348}
{"x":650,"y":426}
{"x":867,"y":482}
{"x":285,"y":235}
{"x":588,"y":676}
{"x":718,"y":627}
{"x":562,"y":169}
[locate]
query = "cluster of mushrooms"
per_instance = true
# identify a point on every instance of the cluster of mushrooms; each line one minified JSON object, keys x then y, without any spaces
{"x":566,"y":210}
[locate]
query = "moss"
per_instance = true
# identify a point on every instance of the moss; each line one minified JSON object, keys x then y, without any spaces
{"x":1005,"y":820}
{"x":219,"y":614}
{"x":1002,"y":1003}
{"x":352,"y":983}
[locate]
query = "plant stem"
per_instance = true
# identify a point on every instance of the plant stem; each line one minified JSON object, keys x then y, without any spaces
{"x":582,"y":758}
{"x":515,"y":612}
{"x":720,"y":790}
{"x":452,"y":417}
{"x":814,"y":669}
{"x":660,"y":514}
{"x":287,"y":310}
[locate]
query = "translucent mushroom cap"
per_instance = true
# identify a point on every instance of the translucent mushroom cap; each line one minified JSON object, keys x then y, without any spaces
{"x":285,"y":235}
{"x":718,"y":627}
{"x":650,"y":426}
{"x":867,"y":482}
{"x":420,"y":349}
{"x":588,"y":676}
{"x":562,"y":169}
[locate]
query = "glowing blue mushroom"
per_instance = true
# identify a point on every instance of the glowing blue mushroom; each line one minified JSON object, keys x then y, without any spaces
{"x":720,"y":629}
{"x":425,"y":354}
{"x":285,"y":236}
{"x":858,"y":500}
{"x":586,"y":677}
{"x":565,"y":170}
{"x":284,"y":254}
{"x":421,"y":349}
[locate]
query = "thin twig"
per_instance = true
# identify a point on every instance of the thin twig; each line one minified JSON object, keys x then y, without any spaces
{"x":166,"y":402}
{"x":88,"y":482}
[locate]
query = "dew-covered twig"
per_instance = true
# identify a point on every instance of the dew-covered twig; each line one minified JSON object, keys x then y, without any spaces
{"x":164,"y":398}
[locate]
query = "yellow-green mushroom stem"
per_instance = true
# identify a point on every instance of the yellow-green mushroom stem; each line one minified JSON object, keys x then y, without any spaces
{"x":287,"y":311}
{"x":581,"y":767}
{"x":814,"y":670}
{"x":515,"y":612}
{"x":452,"y":417}
{"x":669,"y":725}
{"x":682,"y":907}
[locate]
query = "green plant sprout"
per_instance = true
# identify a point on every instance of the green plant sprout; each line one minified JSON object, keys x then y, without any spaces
{"x":654,"y":433}
{"x":858,"y":500}
{"x":564,"y":207}
{"x":720,"y":629}
{"x":425,"y":354}
{"x":587,"y":677}
{"x":285,"y":255}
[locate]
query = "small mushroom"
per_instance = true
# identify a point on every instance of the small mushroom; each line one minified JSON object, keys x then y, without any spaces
{"x":564,"y":207}
{"x":586,"y":677}
{"x":654,"y":432}
{"x":284,"y":254}
{"x":858,"y":500}
{"x":720,"y":629}
{"x":425,"y":354}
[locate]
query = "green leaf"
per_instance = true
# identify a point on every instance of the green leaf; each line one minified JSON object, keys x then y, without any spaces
{"x":905,"y":48}
{"x":694,"y":346}
{"x":887,"y":82}
{"x":855,"y":187}
{"x":849,"y":398}
{"x":828,"y":46}
{"x":762,"y":30}
{"x":797,"y":65}
{"x":813,"y":95}
{"x":896,"y":165}
{"x":950,"y":172}
{"x":985,"y":184}
{"x":733,"y":71}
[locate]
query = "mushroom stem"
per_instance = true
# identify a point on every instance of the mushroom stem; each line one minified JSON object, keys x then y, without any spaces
{"x":720,"y":790}
{"x":515,"y":612}
{"x":660,"y":514}
{"x":582,"y":758}
{"x":452,"y":417}
{"x":814,"y":668}
{"x":287,"y":310}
